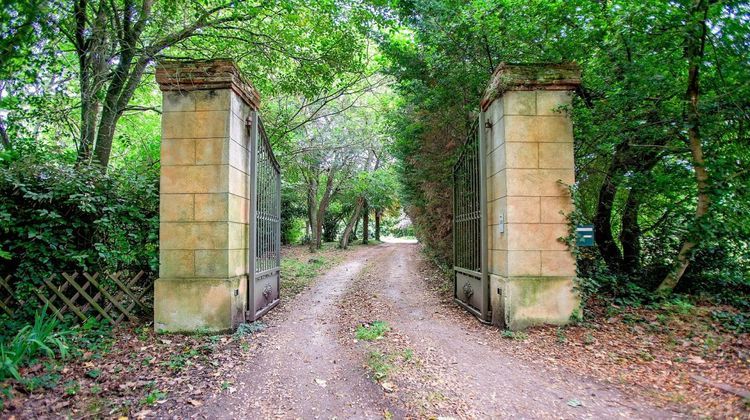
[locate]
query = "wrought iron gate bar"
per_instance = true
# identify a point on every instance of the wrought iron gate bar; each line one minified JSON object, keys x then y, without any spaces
{"x":265,"y":221}
{"x":469,"y":225}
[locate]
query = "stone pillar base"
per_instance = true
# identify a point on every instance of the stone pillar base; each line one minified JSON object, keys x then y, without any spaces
{"x":199,"y":304}
{"x":527,"y":301}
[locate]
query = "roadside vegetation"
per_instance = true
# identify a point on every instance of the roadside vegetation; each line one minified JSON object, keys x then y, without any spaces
{"x":660,"y":131}
{"x":370,"y":332}
{"x":367,"y":106}
{"x":127,"y":371}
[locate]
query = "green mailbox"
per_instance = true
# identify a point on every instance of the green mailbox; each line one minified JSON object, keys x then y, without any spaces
{"x":585,"y":235}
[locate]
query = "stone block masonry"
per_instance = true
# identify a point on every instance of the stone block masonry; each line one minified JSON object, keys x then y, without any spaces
{"x":203,"y":230}
{"x":529,"y":165}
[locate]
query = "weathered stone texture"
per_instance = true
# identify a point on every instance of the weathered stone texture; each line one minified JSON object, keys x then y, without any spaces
{"x":204,"y":210}
{"x":529,"y":167}
{"x":176,"y":207}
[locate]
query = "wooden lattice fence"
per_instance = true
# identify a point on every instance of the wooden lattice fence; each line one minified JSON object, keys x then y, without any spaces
{"x":111,"y":297}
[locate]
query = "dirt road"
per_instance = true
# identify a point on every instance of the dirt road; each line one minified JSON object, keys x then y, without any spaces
{"x":439,"y":360}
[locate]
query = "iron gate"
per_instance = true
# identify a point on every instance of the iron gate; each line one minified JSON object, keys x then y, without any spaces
{"x":471,"y":283}
{"x":265,"y":223}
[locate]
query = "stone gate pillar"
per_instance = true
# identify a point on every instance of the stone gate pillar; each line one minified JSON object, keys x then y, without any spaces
{"x":203,"y":229}
{"x":529,"y":163}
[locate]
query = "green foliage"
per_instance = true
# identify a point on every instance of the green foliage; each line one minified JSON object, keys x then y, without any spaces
{"x":732,"y":321}
{"x":153,"y":397}
{"x":372,"y":332}
{"x":42,"y":338}
{"x":22,"y":24}
{"x":44,"y":381}
{"x":514,"y":335}
{"x":250,"y":329}
{"x":634,"y":173}
{"x":72,"y":387}
{"x":56,"y":216}
{"x":293,"y":214}
{"x":298,"y":274}
{"x":379,"y":364}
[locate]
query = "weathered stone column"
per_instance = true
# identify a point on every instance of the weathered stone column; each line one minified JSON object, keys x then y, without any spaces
{"x":529,"y":165}
{"x":203,"y":230}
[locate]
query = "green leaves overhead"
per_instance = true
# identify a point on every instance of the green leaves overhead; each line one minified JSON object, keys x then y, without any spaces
{"x":629,"y":115}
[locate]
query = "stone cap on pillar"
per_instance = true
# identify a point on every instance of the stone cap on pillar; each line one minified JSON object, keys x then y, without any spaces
{"x":539,"y":76}
{"x":205,"y":75}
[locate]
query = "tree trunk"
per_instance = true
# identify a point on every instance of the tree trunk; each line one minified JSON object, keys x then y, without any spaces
{"x":323,"y":207}
{"x":91,"y":47}
{"x":365,"y":223}
{"x":630,"y":235}
{"x":312,"y":212}
{"x":330,"y":228}
{"x":695,"y":41}
{"x":625,"y":159}
{"x":112,"y":60}
{"x":4,"y":137}
{"x":378,"y":214}
{"x":119,"y":94}
{"x":603,"y":218}
{"x":344,"y":243}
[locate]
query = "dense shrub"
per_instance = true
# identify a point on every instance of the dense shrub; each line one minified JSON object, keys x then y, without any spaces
{"x":57,"y":216}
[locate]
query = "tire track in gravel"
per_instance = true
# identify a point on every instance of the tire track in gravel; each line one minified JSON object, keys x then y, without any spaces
{"x":301,"y":370}
{"x":460,"y":367}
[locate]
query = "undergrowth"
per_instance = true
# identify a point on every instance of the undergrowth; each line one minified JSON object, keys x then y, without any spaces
{"x":40,"y":339}
{"x":296,"y":274}
{"x":372,"y":332}
{"x":379,"y":364}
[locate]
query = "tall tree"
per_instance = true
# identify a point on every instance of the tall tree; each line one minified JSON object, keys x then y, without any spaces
{"x":695,"y":45}
{"x":642,"y":147}
{"x":115,"y":41}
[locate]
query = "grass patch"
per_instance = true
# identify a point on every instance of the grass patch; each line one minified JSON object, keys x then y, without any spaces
{"x":245,"y":329}
{"x":296,"y":274}
{"x":379,"y":364}
{"x":153,"y":397}
{"x":514,"y":335}
{"x":372,"y":332}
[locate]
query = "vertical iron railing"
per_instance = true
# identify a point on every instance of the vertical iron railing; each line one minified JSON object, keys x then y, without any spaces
{"x":264,"y":256}
{"x":268,"y":211}
{"x":467,"y":215}
{"x":470,"y":243}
